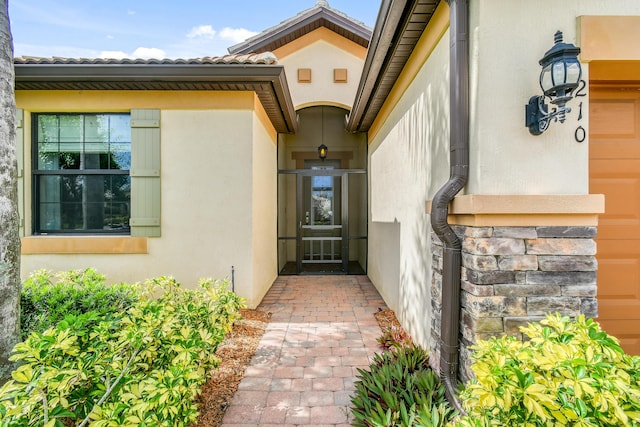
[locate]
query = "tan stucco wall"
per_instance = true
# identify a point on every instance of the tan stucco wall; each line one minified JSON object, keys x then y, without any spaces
{"x":609,"y":38}
{"x":507,"y":40}
{"x":218,"y":160}
{"x":265,"y":213}
{"x":325,"y":53}
{"x":410,"y":140}
{"x":206,"y":213}
{"x":408,"y":162}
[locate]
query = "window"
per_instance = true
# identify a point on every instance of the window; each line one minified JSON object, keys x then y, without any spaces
{"x":322,"y":199}
{"x":81,"y":176}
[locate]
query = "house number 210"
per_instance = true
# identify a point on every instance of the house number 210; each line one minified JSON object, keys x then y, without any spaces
{"x":580,"y":133}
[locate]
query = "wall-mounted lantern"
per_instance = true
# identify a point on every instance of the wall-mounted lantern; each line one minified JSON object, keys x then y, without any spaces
{"x":322,"y":151}
{"x":560,"y":76}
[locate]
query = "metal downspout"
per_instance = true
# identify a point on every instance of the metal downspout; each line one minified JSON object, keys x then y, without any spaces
{"x":459,"y":173}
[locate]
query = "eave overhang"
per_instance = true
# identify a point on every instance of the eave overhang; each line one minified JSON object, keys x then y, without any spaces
{"x":301,"y":24}
{"x":267,"y":81}
{"x":399,"y":26}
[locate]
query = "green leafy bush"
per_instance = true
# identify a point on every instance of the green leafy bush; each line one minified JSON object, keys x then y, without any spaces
{"x":400,"y":389}
{"x":46,"y":298}
{"x":142,"y":367}
{"x":570,"y":373}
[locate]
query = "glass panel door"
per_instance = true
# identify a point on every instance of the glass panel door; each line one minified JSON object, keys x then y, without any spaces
{"x":322,"y":220}
{"x":321,"y":233}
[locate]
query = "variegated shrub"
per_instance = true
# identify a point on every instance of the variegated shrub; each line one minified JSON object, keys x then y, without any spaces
{"x":143,"y":367}
{"x":569,"y":373}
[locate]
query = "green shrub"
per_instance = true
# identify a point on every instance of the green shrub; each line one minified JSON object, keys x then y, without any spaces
{"x":46,"y":298}
{"x":570,"y":373}
{"x":394,"y":337}
{"x":400,"y":389}
{"x":143,"y":367}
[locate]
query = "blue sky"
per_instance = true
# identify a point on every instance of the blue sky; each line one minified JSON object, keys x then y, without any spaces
{"x":153,"y":28}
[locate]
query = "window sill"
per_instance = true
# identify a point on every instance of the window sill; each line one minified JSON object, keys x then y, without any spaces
{"x":84,"y":245}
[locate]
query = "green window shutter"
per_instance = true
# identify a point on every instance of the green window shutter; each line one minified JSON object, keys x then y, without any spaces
{"x":20,"y":157}
{"x":145,"y":173}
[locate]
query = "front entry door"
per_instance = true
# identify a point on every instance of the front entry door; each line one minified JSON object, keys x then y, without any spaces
{"x":322,"y":214}
{"x":322,"y":220}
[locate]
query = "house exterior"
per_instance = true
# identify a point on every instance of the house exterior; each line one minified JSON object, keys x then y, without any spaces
{"x":215,"y":162}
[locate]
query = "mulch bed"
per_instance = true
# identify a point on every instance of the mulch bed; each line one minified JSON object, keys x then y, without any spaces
{"x":235,"y":354}
{"x":387,"y":320}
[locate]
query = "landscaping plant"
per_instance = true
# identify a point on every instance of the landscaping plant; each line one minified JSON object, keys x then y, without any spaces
{"x":394,"y":336}
{"x":400,"y":389}
{"x":569,"y":373}
{"x":142,"y":367}
{"x":47,"y":297}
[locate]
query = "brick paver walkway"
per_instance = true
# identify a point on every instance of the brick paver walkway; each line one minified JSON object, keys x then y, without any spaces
{"x":302,"y":374}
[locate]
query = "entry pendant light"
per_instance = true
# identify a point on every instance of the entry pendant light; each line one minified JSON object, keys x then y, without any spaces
{"x":560,"y":76}
{"x":322,"y":152}
{"x":322,"y":149}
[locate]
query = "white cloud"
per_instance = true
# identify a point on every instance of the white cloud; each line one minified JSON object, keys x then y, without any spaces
{"x":189,"y":49}
{"x":131,"y":12}
{"x":236,"y":35}
{"x":149,"y":52}
{"x":204,"y":40}
{"x":201,"y":41}
{"x":113,"y":54}
{"x":206,"y":31}
{"x":141,"y":52}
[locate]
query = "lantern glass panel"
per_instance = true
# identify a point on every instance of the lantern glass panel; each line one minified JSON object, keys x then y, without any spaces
{"x":545,"y":79}
{"x":559,"y":73}
{"x":573,"y":72}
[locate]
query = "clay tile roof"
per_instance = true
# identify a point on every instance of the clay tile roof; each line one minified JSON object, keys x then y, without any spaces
{"x":265,"y":58}
{"x":259,"y":73}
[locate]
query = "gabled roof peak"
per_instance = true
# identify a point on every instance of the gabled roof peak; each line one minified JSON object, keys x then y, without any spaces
{"x":320,"y":15}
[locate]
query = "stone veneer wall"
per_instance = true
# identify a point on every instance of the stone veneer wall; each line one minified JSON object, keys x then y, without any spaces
{"x":514,"y":275}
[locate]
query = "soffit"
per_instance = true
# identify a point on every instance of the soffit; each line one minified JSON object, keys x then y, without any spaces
{"x":257,"y":73}
{"x":305,"y":22}
{"x":399,"y":27}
